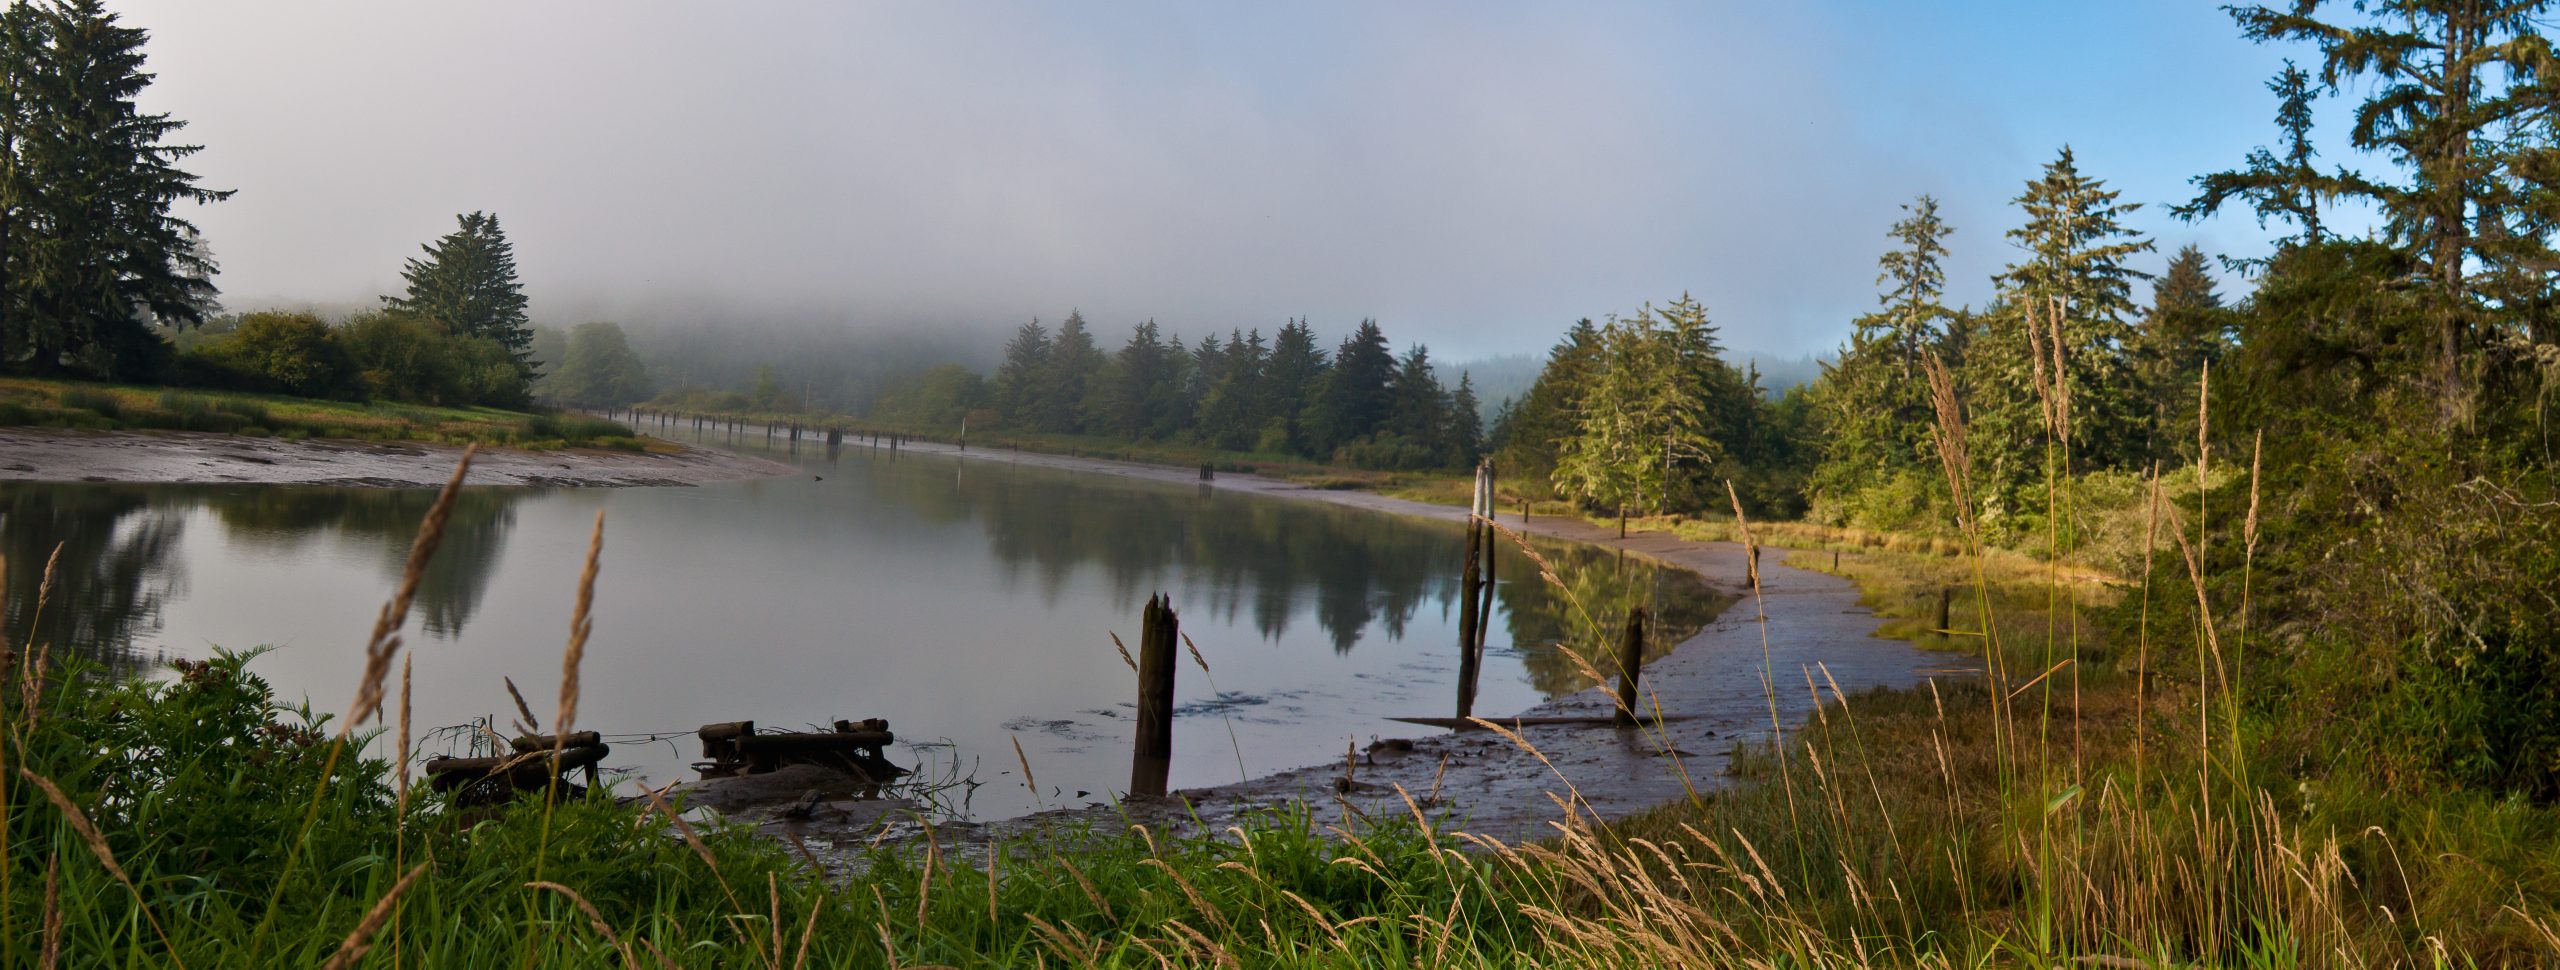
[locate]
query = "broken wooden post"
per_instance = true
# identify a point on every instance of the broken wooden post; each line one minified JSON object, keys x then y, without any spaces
{"x":1152,"y":760}
{"x":1835,"y":560}
{"x":1470,"y":588}
{"x":1946,"y":598}
{"x":1208,"y":472}
{"x":1630,"y":666}
{"x":1492,"y":556}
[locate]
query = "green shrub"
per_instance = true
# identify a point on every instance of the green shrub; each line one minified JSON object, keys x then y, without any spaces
{"x":289,"y":353}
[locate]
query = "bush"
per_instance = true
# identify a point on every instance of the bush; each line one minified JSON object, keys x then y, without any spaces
{"x":287,"y":353}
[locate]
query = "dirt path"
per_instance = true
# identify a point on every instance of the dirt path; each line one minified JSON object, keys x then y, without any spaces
{"x":187,"y":457}
{"x":1733,"y":681}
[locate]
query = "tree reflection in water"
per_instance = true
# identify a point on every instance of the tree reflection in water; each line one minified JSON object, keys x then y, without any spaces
{"x":386,"y":520}
{"x":1233,"y":554}
{"x":116,"y":569}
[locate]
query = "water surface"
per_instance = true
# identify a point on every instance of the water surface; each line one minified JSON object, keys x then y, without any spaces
{"x":971,"y":603}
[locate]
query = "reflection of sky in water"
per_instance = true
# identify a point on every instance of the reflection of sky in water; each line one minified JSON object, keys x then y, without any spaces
{"x":967,"y":602}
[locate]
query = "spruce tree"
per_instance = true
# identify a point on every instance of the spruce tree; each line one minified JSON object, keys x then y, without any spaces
{"x":1871,"y":396}
{"x":1234,"y":413}
{"x":91,"y":253}
{"x":1352,"y":400}
{"x":1465,"y":435}
{"x":1073,"y":362}
{"x":2460,"y":100}
{"x":2286,"y":187}
{"x":1538,"y":423}
{"x":467,"y":283}
{"x":1017,"y":383}
{"x":2073,"y":288}
{"x":2185,"y":329}
{"x":1297,"y":369}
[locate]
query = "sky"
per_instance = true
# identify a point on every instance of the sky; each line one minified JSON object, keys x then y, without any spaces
{"x":1474,"y":175}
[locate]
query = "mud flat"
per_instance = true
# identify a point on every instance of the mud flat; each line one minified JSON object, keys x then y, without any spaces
{"x":1755,"y":673}
{"x":186,"y":457}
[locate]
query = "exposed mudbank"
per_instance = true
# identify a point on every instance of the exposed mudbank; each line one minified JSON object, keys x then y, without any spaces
{"x":193,"y":458}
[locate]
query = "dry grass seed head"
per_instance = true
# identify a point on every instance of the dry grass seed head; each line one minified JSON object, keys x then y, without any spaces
{"x":581,"y":622}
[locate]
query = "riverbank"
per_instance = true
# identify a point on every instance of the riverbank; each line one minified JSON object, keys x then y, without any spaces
{"x":194,"y":458}
{"x":1734,"y":685}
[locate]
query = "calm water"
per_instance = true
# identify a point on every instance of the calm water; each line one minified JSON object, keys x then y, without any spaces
{"x":971,"y":603}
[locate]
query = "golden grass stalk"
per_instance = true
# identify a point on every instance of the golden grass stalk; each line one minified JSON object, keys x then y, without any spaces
{"x":360,"y":939}
{"x":31,"y":684}
{"x":581,"y":623}
{"x":526,"y":723}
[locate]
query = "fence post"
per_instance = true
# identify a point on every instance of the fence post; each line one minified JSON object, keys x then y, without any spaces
{"x":1153,"y":759}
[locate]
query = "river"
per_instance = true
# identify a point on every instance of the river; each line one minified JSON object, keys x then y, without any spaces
{"x":970,"y":603}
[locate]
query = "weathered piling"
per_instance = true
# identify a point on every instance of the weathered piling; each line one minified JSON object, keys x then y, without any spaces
{"x":1946,"y":599}
{"x":1470,"y":585}
{"x":1152,"y":760}
{"x":1492,"y":557}
{"x":1630,"y":667}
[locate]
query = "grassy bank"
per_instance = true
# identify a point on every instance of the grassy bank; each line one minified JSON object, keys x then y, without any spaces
{"x":31,"y":402}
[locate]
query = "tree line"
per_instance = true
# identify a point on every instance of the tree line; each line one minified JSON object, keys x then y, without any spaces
{"x":1360,"y":404}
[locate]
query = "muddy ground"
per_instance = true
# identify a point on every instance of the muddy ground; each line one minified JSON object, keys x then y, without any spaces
{"x":1737,"y":682}
{"x":187,"y":457}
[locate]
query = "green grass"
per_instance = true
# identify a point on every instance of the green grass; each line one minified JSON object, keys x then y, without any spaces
{"x":71,"y":404}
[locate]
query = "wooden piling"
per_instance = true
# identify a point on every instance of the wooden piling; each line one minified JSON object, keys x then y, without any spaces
{"x":1153,"y":759}
{"x":1630,"y":667}
{"x":1492,"y":556}
{"x":1946,"y":599}
{"x":1835,"y":561}
{"x":1470,"y":586}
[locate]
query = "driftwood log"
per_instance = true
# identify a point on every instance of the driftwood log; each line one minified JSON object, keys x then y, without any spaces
{"x":489,"y":781}
{"x":734,"y":748}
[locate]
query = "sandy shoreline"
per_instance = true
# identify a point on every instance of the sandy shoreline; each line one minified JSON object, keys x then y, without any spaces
{"x":188,"y":457}
{"x":1815,"y":633}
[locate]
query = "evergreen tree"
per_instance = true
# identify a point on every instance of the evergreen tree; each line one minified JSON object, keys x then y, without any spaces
{"x":2055,"y":356}
{"x":2185,"y":329}
{"x":1235,"y":411}
{"x":1871,"y":397}
{"x":468,"y":284}
{"x":1142,"y":397}
{"x":2284,"y":187}
{"x":1418,"y":408}
{"x":1526,"y":441}
{"x":90,"y":253}
{"x":1289,"y":385}
{"x":1465,"y":434}
{"x":1073,"y":362}
{"x":1631,"y":425}
{"x":1352,"y":399}
{"x":1018,"y":379}
{"x":2460,"y":100}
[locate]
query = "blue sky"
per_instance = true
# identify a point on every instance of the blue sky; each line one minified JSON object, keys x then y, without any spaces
{"x":1474,"y":175}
